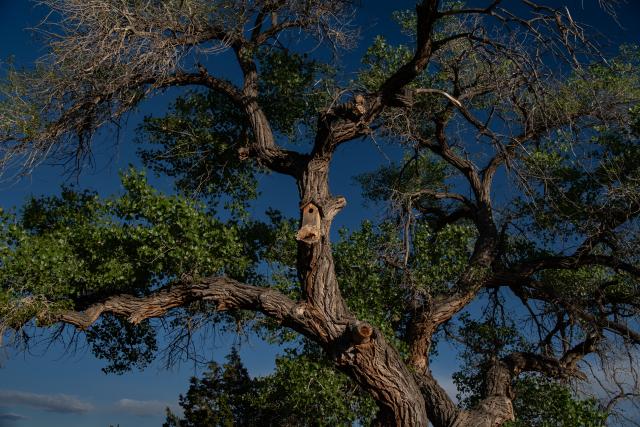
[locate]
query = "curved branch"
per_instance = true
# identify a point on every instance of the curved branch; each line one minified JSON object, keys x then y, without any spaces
{"x":264,"y":147}
{"x":527,"y":269}
{"x":476,"y":10}
{"x":350,"y":120}
{"x":451,"y":99}
{"x":427,"y":15}
{"x":439,"y":195}
{"x":536,"y":290}
{"x":224,"y":292}
{"x":275,"y":30}
{"x":202,"y":78}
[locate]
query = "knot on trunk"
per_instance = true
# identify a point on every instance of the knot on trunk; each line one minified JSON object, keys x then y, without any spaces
{"x":310,"y":230}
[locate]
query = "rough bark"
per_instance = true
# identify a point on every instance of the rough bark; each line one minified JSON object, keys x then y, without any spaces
{"x":323,"y":316}
{"x":406,"y":391}
{"x":356,"y":348}
{"x":223,"y":292}
{"x":379,"y":369}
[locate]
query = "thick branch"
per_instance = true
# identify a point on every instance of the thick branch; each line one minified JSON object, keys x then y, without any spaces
{"x":264,"y":148}
{"x":427,"y":15}
{"x":225,"y":293}
{"x":347,"y":121}
{"x":532,"y":362}
{"x":476,"y":10}
{"x":441,"y":410}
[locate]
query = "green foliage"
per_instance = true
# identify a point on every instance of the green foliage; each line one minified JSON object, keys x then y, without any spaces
{"x":122,"y":344}
{"x":303,"y":391}
{"x":580,"y":182}
{"x":380,"y":61}
{"x":373,"y":286}
{"x":66,"y":252}
{"x":438,"y":254}
{"x":307,"y":390}
{"x":483,"y":341}
{"x":584,"y":93}
{"x":398,"y":181}
{"x":369,"y":285}
{"x":458,"y":61}
{"x":62,"y":251}
{"x":544,"y":403}
{"x":539,"y":401}
{"x":439,"y":257}
{"x":293,"y":88}
{"x":197,"y":144}
{"x":373,"y":290}
{"x":221,"y":398}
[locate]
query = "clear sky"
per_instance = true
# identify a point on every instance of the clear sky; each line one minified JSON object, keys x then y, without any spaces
{"x":53,"y":387}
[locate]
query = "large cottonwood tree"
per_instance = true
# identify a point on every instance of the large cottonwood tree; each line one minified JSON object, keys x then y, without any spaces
{"x":519,"y":190}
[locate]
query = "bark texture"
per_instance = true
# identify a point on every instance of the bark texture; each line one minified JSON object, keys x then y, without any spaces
{"x":406,"y":391}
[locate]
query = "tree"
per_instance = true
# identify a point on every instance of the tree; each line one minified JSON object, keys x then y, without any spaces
{"x":302,"y":391}
{"x":512,"y":96}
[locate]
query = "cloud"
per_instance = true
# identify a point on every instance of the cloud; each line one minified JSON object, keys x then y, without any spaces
{"x":8,"y":419}
{"x":12,"y":417}
{"x":61,"y":403}
{"x":143,"y":408}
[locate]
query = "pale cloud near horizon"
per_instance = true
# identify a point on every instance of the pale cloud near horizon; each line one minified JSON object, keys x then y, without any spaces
{"x":66,"y":404}
{"x":61,"y":403}
{"x":10,"y":419}
{"x":142,"y":408}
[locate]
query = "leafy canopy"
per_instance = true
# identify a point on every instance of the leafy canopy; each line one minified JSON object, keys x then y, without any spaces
{"x":571,"y":142}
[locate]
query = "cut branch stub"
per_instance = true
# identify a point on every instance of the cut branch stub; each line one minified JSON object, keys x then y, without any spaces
{"x":361,"y":333}
{"x":243,"y":153}
{"x":360,"y":105}
{"x":310,"y":229}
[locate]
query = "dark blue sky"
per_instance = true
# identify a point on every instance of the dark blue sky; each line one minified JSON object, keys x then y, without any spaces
{"x":55,"y":388}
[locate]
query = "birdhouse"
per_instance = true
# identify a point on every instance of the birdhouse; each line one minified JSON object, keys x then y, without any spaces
{"x":310,"y":230}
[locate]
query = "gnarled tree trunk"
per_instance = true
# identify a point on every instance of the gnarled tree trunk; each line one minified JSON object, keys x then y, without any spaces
{"x":405,"y":390}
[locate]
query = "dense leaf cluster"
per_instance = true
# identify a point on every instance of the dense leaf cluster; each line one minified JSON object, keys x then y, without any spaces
{"x":67,"y":251}
{"x":577,"y":178}
{"x":303,"y":391}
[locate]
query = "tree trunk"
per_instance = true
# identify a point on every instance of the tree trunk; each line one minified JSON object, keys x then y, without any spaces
{"x":493,"y":411}
{"x":356,"y":347}
{"x":380,"y":370}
